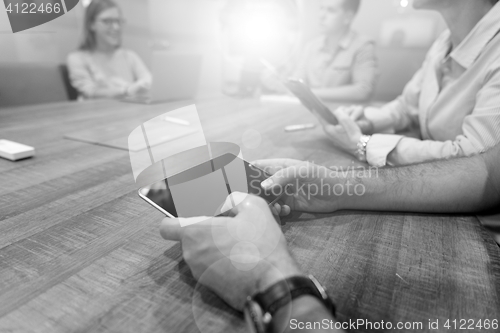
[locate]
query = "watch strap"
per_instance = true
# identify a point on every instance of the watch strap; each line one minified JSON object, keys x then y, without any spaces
{"x":284,"y":291}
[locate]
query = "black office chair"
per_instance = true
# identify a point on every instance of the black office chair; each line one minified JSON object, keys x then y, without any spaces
{"x":31,"y":83}
{"x":72,"y":92}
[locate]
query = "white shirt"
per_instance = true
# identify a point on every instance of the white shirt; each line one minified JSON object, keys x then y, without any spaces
{"x":454,"y":101}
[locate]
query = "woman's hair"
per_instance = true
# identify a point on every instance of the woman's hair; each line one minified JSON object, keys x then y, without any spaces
{"x":95,"y":8}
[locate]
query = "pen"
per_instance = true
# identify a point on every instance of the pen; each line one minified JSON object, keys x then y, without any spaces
{"x":300,"y":127}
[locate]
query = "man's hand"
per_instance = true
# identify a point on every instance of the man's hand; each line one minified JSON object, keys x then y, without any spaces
{"x":346,"y":134}
{"x":235,"y":256}
{"x":312,"y":188}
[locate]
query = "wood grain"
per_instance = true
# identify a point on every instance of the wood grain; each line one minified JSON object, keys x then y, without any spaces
{"x":81,"y":252}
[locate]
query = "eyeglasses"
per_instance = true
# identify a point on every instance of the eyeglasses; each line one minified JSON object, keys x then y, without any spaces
{"x":112,"y":21}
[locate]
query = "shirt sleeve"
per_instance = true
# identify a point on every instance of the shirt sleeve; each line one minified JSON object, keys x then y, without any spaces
{"x":480,"y":131}
{"x":80,"y":76}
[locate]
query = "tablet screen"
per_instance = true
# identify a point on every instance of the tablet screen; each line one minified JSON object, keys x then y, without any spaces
{"x":160,"y":196}
{"x":302,"y":91}
{"x":309,"y":100}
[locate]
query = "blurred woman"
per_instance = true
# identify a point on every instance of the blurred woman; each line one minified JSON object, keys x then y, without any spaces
{"x":101,"y":68}
{"x":453,"y":100}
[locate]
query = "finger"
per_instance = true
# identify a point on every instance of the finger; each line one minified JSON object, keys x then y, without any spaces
{"x":249,"y":206}
{"x":274,"y":211}
{"x":365,"y":125}
{"x":342,"y":108}
{"x":170,"y":229}
{"x":232,"y":200}
{"x":271,"y":166}
{"x":281,"y":179}
{"x":175,"y":228}
{"x":285,"y":210}
{"x":346,"y":122}
{"x":350,"y":111}
{"x":357,"y":113}
{"x":333,"y":131}
{"x":277,"y":207}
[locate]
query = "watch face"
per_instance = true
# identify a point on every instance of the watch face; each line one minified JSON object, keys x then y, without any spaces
{"x":254,"y":317}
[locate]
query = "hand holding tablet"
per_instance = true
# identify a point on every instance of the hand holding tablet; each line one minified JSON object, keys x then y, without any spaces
{"x":300,"y":89}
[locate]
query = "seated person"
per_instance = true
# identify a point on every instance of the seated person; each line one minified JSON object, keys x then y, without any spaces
{"x":453,"y":100}
{"x":101,"y":68}
{"x":210,"y":248}
{"x":340,"y":65}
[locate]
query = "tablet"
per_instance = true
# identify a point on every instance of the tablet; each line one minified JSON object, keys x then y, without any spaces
{"x":309,"y":100}
{"x":160,"y":197}
{"x":302,"y":91}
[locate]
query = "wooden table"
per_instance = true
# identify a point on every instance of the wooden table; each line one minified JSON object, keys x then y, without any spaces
{"x":80,"y":251}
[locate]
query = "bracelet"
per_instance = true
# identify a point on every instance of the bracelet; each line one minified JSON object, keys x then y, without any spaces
{"x":362,"y":143}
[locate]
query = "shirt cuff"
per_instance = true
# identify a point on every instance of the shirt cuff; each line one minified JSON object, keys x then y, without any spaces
{"x":379,"y":147}
{"x":381,"y":120}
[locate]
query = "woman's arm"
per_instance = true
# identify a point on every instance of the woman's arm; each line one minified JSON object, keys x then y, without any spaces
{"x":479,"y":132}
{"x":82,"y":80}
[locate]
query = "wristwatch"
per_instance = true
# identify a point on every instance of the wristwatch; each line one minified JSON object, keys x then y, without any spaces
{"x":362,"y":143}
{"x":261,"y":307}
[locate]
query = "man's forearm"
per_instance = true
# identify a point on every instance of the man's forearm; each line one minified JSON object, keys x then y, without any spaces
{"x":461,"y":185}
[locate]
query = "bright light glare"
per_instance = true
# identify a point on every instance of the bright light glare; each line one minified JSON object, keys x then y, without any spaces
{"x":404,"y":3}
{"x":261,"y":28}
